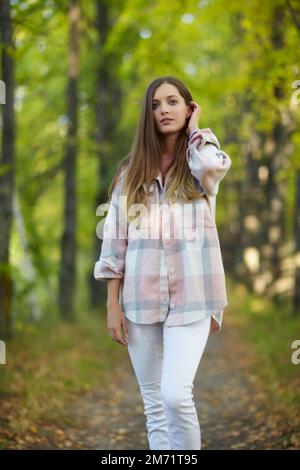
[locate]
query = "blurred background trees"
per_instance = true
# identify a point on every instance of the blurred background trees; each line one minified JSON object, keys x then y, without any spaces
{"x":74,"y":76}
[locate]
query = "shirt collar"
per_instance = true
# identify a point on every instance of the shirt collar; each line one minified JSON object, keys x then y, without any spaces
{"x":158,"y":177}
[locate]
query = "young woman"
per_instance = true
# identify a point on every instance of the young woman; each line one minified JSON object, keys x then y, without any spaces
{"x":166,"y":287}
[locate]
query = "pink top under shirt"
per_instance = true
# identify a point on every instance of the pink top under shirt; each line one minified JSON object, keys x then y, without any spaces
{"x":165,"y":165}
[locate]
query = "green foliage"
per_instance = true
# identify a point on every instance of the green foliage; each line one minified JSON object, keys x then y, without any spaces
{"x":232,"y":56}
{"x":270,"y":330}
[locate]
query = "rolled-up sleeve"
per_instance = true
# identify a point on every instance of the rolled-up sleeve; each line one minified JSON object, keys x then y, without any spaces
{"x":114,"y":241}
{"x":207,"y":162}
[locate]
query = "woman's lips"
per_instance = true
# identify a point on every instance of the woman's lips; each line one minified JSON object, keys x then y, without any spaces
{"x":167,"y":121}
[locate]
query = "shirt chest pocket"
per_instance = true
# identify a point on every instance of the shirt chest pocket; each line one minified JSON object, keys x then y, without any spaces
{"x":198,"y":224}
{"x":197,"y":213}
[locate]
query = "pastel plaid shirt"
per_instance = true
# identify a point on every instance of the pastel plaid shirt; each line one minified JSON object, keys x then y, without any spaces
{"x":169,"y":260}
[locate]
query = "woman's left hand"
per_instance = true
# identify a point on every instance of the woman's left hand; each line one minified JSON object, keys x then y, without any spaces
{"x":195,"y":116}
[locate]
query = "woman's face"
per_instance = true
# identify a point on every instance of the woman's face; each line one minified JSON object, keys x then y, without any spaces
{"x":168,"y":103}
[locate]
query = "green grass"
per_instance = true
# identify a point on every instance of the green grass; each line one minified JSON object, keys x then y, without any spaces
{"x":48,"y":365}
{"x":271,"y":331}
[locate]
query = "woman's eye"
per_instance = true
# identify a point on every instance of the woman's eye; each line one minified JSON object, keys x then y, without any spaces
{"x":174,"y":101}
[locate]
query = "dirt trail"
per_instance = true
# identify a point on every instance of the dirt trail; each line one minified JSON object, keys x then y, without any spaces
{"x":233,"y":410}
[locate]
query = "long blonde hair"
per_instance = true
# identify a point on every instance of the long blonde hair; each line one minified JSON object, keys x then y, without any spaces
{"x":143,"y":161}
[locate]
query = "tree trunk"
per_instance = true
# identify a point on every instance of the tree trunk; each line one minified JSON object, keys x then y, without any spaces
{"x":7,"y":169}
{"x":108,"y":99}
{"x":278,"y":156}
{"x":68,"y":243}
{"x":263,"y":198}
{"x":296,"y":300}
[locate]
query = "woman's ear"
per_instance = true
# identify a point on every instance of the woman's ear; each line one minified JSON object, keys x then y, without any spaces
{"x":189,"y":111}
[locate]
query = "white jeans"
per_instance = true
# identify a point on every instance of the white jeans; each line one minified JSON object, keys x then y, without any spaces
{"x":165,"y":361}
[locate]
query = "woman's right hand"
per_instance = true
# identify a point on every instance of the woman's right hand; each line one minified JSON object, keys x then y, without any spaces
{"x":195,"y":116}
{"x":116,"y":324}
